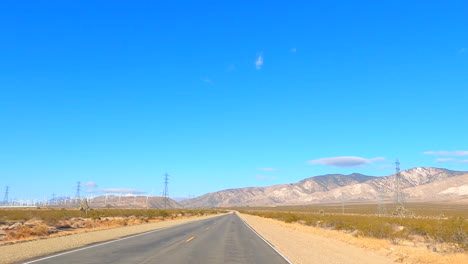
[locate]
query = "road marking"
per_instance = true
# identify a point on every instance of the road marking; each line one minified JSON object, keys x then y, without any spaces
{"x":112,"y":241}
{"x":190,"y":239}
{"x":266,"y":241}
{"x":207,"y":228}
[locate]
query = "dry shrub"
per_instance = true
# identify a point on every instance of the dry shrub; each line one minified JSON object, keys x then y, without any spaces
{"x":452,"y":230}
{"x":20,"y":232}
{"x":121,"y":222}
{"x":91,"y":224}
{"x":40,"y":230}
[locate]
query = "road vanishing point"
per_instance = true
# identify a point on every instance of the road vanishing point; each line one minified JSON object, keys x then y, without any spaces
{"x":222,"y":239}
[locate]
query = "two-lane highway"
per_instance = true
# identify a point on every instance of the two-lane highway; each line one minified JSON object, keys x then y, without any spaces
{"x":223,"y":239}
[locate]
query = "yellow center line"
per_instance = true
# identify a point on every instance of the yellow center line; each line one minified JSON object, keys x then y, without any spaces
{"x":190,"y":239}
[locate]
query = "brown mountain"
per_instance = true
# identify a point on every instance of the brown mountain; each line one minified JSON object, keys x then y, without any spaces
{"x":276,"y":194}
{"x":131,"y":202}
{"x":328,"y":188}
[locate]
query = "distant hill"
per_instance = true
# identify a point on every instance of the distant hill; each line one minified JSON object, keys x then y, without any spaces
{"x":335,"y":188}
{"x":113,"y":201}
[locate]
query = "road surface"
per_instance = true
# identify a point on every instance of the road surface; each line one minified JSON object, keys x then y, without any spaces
{"x":223,"y":239}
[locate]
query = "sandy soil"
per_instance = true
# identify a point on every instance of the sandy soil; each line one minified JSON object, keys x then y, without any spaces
{"x":31,"y":249}
{"x":305,"y":244}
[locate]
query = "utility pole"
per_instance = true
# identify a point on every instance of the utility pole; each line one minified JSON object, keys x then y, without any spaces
{"x":5,"y":198}
{"x":398,"y":195}
{"x":382,"y":209}
{"x":77,"y":195}
{"x":165,"y":192}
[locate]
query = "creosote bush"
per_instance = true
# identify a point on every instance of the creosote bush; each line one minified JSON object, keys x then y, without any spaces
{"x":452,"y":230}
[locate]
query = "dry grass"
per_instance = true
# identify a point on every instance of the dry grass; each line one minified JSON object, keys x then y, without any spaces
{"x":453,"y":230}
{"x":25,"y":232}
{"x":430,"y":210}
{"x":405,"y":252}
{"x":52,"y":216}
{"x":77,"y":221}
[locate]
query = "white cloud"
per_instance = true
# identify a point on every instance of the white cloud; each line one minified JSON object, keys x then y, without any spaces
{"x":457,"y":153}
{"x":208,"y":80}
{"x":464,"y":161}
{"x":89,"y":184}
{"x":267,"y":169}
{"x":444,"y":160}
{"x":259,"y":61}
{"x":293,"y":50}
{"x":266,"y":178}
{"x":121,"y":190}
{"x":346,"y":161}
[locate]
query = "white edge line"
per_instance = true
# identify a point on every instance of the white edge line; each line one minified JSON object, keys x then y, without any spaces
{"x":108,"y":242}
{"x":266,"y":241}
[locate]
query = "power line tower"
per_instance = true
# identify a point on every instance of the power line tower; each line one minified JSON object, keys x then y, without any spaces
{"x":77,"y":195}
{"x":5,"y":198}
{"x":165,"y":191}
{"x":398,"y":199}
{"x":382,"y":209}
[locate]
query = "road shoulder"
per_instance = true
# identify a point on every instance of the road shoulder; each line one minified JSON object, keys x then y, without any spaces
{"x":300,"y":244}
{"x":306,"y":244}
{"x":32,"y":249}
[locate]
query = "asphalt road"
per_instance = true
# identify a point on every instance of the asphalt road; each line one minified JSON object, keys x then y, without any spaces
{"x":223,"y":239}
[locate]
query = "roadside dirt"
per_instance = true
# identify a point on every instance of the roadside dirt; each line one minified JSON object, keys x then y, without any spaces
{"x":21,"y":251}
{"x":304,"y":244}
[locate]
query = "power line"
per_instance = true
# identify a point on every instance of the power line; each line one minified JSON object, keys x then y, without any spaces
{"x":398,"y":199}
{"x":382,"y":209}
{"x":166,"y":191}
{"x":77,"y":195}
{"x":5,"y":198}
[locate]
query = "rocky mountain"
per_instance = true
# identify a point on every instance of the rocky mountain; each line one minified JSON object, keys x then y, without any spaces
{"x":448,"y":189}
{"x":276,"y":194}
{"x":331,"y":188}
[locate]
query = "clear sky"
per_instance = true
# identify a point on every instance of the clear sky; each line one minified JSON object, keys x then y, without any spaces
{"x":227,"y":94}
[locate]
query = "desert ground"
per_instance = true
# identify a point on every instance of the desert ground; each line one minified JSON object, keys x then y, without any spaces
{"x":352,"y":233}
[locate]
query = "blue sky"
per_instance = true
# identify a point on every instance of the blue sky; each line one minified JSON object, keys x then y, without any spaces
{"x":223,"y":95}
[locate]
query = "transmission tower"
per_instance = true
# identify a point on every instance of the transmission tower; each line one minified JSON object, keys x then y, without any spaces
{"x":399,"y":200}
{"x":165,"y":191}
{"x":382,"y":209}
{"x":77,"y":195}
{"x":5,"y":198}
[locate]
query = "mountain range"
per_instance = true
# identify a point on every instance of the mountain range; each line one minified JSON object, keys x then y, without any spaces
{"x":417,"y":184}
{"x":114,"y":201}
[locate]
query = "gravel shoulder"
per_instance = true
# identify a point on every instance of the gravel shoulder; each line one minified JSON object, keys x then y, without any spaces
{"x":305,"y":244}
{"x":22,"y":251}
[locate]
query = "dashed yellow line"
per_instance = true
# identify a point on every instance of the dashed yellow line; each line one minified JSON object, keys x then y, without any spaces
{"x":190,"y":239}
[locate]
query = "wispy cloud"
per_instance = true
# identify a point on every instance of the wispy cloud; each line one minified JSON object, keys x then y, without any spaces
{"x":456,"y":153}
{"x":464,"y":161}
{"x":293,"y":50}
{"x":208,"y":80}
{"x":259,"y":61}
{"x":444,"y":160}
{"x":346,"y":161}
{"x":89,"y":184}
{"x":462,"y":51}
{"x":121,"y":190}
{"x":266,"y":178}
{"x":267,"y":169}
